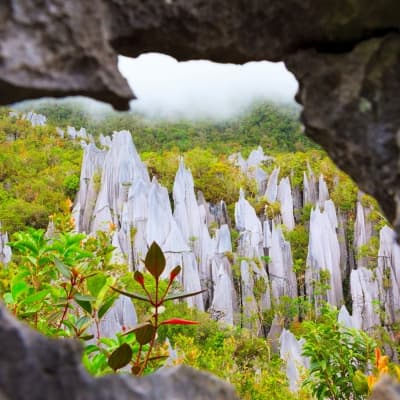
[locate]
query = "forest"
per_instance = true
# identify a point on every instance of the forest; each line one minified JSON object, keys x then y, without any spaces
{"x":65,"y":281}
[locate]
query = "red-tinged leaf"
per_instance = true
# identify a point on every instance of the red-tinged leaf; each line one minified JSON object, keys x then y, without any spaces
{"x":139,"y":278}
{"x":131,"y":295}
{"x":179,"y":321}
{"x":120,"y":357}
{"x":137,"y":327}
{"x":184,"y":295}
{"x":155,"y":260}
{"x":174,"y":273}
{"x":144,"y":333}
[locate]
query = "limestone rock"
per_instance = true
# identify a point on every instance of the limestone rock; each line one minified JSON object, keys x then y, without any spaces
{"x":324,"y":254}
{"x":364,"y":294}
{"x":291,"y":353}
{"x":282,"y":277}
{"x":272,"y":186}
{"x":5,"y":250}
{"x":286,"y":200}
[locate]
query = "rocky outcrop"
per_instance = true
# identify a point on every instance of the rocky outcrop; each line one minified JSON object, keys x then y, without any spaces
{"x":37,"y":368}
{"x":350,"y":108}
{"x":57,"y":49}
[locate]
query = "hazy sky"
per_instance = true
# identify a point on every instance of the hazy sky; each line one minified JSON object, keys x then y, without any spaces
{"x":196,"y":89}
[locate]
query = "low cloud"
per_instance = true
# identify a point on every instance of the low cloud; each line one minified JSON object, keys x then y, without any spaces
{"x":170,"y":89}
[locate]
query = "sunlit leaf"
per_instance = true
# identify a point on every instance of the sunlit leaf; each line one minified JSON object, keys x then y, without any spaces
{"x":106,"y":306}
{"x":36,"y":297}
{"x":18,"y":288}
{"x":83,"y":297}
{"x":62,"y":268}
{"x":96,"y":283}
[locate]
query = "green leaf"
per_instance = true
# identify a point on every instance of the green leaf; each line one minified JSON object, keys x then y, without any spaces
{"x":155,"y":260}
{"x":36,"y":297}
{"x":131,"y":295}
{"x":120,"y":357}
{"x":106,"y":306}
{"x":62,"y":268}
{"x":83,"y":297}
{"x":184,"y":295}
{"x":85,"y":305}
{"x":18,"y":288}
{"x":96,"y":283}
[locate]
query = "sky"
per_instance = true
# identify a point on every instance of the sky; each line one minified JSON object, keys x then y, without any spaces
{"x":166,"y":88}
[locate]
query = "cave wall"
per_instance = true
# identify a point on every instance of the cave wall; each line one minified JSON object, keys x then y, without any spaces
{"x":345,"y":54}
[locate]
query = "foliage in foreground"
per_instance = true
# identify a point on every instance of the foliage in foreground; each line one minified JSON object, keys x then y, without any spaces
{"x":62,"y":288}
{"x":336,"y":354}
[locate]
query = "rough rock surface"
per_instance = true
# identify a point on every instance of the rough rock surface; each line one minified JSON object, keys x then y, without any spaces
{"x":350,"y":108}
{"x":58,"y":48}
{"x":37,"y":368}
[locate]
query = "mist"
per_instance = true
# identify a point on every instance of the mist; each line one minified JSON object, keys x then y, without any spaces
{"x":201,"y":89}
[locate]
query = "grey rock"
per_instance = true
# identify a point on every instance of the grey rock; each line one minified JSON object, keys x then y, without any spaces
{"x":386,"y":389}
{"x":38,"y":368}
{"x":57,"y":48}
{"x":350,"y":108}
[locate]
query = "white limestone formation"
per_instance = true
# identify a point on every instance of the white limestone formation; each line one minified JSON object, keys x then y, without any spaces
{"x":223,"y":239}
{"x":282,"y":277}
{"x":388,"y":274}
{"x":272,"y":186}
{"x":35,"y":119}
{"x":323,"y":192}
{"x":345,"y":318}
{"x":60,"y":132}
{"x":252,"y":166}
{"x":186,"y":209}
{"x":285,"y":199}
{"x":309,"y":188}
{"x":251,"y":237}
{"x":362,"y":232}
{"x":120,"y":317}
{"x":122,"y":166}
{"x":324,"y":254}
{"x":85,"y":201}
{"x":291,"y":354}
{"x":224,"y":296}
{"x":5,"y":249}
{"x":365,"y":298}
{"x":267,"y":235}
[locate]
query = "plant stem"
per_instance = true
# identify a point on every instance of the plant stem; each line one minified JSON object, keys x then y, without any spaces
{"x":66,"y":305}
{"x":153,"y":339}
